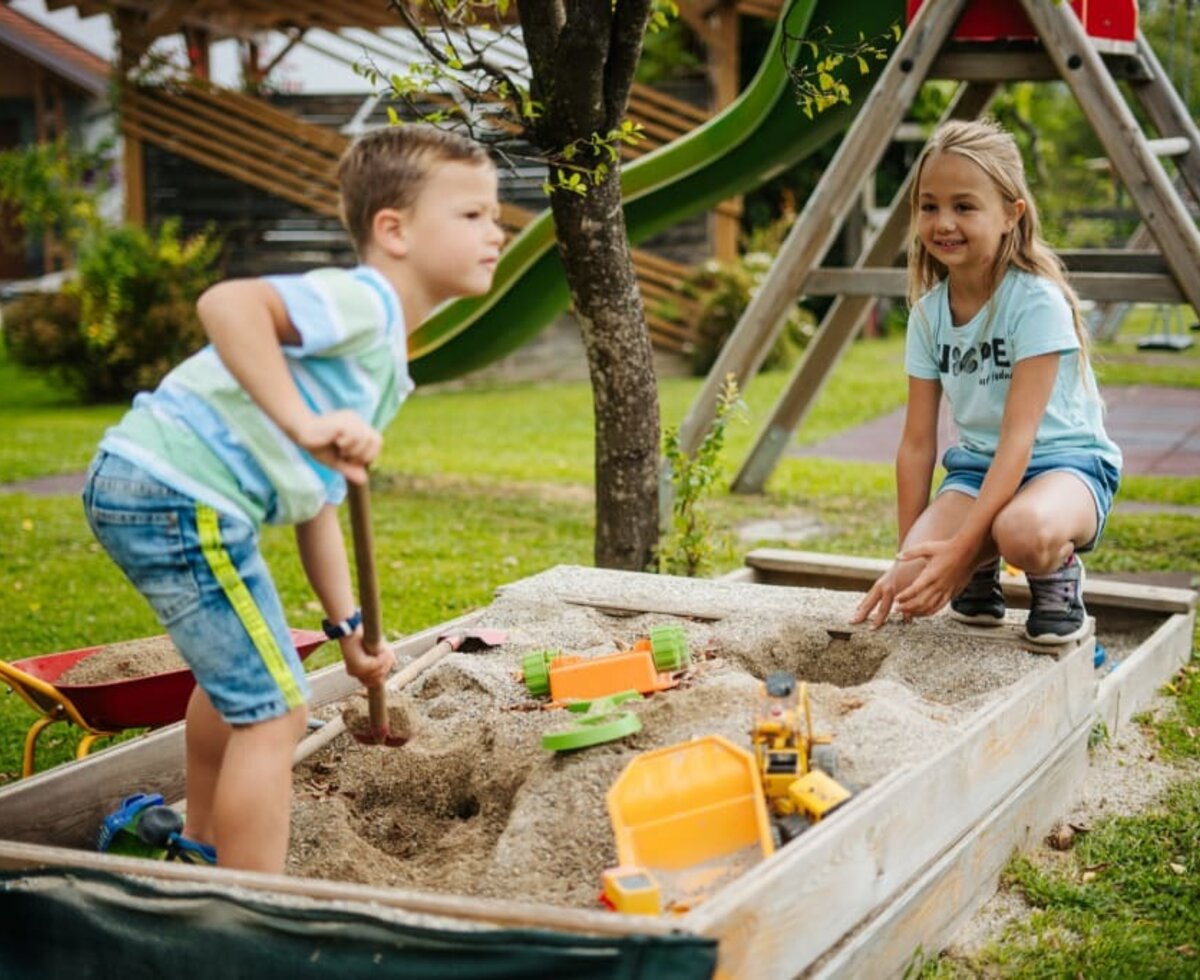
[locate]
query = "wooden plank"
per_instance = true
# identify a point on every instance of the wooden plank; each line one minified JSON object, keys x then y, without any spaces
{"x":275,"y":158}
{"x":925,"y":917}
{"x":133,"y":173}
{"x":840,"y":324}
{"x":65,"y":805}
{"x":814,"y":230}
{"x":480,"y":911}
{"x":174,"y":134}
{"x":1140,"y":260}
{"x":1135,"y":680}
{"x":305,"y":199}
{"x":1099,"y":286}
{"x":1168,"y":114}
{"x":784,"y":914}
{"x":676,"y":106}
{"x":977,"y":65}
{"x":973,"y":63}
{"x":629,"y":608}
{"x":1121,"y":135}
{"x":781,"y":566}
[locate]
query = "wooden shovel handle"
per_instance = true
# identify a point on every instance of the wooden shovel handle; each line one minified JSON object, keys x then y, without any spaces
{"x":368,"y":593}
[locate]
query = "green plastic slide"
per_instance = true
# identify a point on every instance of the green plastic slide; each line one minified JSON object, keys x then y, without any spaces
{"x":754,"y":139}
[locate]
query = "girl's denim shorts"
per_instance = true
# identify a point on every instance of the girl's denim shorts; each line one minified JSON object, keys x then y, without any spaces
{"x":204,"y":576}
{"x":965,"y":470}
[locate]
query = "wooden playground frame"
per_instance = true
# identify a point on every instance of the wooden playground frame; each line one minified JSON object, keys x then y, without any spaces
{"x":1091,"y":69}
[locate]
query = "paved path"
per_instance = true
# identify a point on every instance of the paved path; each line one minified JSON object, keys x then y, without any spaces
{"x":1158,"y":430}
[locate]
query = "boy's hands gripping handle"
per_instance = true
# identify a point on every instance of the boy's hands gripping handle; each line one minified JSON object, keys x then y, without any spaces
{"x":368,"y":598}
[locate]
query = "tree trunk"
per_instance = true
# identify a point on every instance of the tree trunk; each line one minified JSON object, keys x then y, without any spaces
{"x":583,"y":54}
{"x":608,"y":305}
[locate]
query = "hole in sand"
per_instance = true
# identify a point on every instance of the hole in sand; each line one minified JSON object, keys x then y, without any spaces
{"x":473,"y":805}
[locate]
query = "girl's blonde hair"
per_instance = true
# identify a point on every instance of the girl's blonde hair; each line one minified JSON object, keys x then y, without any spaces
{"x":995,"y":152}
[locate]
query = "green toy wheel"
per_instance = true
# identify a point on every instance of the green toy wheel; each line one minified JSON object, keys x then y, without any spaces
{"x":669,"y":647}
{"x":593,"y":730}
{"x":535,"y":668}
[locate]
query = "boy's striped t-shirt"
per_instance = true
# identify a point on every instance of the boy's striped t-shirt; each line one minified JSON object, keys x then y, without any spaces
{"x":201,"y":433}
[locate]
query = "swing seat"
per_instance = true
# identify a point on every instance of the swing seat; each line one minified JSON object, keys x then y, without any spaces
{"x":1165,"y":341}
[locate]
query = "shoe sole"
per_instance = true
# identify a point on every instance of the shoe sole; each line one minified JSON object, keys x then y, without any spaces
{"x":979,"y":619}
{"x":1056,"y":639}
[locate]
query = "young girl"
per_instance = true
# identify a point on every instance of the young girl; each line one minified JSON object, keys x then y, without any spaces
{"x":995,"y":326}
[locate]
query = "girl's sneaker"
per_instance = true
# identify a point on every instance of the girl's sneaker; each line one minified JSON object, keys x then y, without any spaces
{"x":1056,"y":610}
{"x":982,"y":601}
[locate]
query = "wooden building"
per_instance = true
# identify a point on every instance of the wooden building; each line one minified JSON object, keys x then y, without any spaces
{"x":49,"y":87}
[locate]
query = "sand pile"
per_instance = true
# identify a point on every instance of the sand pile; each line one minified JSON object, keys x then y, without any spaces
{"x":474,"y":806}
{"x":125,"y":661}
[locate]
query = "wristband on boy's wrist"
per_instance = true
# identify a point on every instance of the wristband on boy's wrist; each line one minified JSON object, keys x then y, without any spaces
{"x":340,"y":630}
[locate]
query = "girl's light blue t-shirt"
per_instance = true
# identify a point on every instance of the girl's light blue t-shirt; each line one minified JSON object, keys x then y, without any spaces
{"x":1027,"y":316}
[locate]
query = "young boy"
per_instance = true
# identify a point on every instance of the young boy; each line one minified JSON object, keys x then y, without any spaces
{"x":266,"y":424}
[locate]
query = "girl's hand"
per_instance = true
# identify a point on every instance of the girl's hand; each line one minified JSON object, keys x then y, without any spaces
{"x":369,"y":666}
{"x":946,"y":573}
{"x":883,"y":593}
{"x":342,"y":440}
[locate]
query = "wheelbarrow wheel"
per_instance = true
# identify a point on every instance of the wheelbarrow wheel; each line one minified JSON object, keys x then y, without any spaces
{"x":535,"y":667}
{"x":669,"y":647}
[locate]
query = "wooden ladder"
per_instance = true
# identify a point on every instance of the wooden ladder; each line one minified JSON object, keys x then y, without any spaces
{"x":1067,"y":53}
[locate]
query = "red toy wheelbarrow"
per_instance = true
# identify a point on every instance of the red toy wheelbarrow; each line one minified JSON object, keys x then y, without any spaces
{"x":105,"y":709}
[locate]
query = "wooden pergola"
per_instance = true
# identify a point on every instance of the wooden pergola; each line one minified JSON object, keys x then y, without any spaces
{"x":202,"y":22}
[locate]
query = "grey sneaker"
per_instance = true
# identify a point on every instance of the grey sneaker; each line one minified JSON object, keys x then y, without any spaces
{"x":982,"y":601}
{"x":1056,"y":611}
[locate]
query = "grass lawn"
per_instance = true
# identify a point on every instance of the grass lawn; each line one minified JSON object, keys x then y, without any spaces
{"x":481,"y":486}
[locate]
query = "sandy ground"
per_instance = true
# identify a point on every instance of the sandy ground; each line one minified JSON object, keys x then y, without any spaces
{"x":473,"y":805}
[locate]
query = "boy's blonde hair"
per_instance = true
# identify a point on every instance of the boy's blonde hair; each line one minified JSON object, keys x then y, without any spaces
{"x":995,"y":152}
{"x":386,"y":167}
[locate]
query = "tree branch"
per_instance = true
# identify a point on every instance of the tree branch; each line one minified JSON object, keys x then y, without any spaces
{"x":578,"y":100}
{"x":446,"y":25}
{"x":625,"y":48}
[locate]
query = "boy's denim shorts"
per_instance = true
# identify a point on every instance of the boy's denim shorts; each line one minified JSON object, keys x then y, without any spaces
{"x":965,"y":470}
{"x":202,"y":573}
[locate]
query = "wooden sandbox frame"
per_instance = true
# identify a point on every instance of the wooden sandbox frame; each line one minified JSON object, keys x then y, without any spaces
{"x":862,"y":895}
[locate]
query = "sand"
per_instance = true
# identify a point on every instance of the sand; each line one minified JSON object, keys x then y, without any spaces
{"x":473,"y":805}
{"x":125,"y":661}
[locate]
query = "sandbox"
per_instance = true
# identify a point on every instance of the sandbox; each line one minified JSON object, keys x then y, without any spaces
{"x":962,"y":745}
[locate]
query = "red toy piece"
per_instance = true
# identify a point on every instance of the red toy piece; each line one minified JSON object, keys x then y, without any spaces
{"x":992,"y":20}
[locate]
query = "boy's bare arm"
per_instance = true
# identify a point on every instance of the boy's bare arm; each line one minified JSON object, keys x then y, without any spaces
{"x":248,"y":325}
{"x":323,"y":553}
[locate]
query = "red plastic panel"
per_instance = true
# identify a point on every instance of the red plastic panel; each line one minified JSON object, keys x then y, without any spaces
{"x":991,"y":20}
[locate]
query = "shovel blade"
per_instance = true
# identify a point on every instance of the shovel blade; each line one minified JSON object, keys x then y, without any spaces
{"x":474,"y":640}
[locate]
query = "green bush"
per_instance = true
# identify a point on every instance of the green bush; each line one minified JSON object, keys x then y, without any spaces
{"x":724,"y":290}
{"x":41,"y":330}
{"x":128,"y":317}
{"x":129,"y":314}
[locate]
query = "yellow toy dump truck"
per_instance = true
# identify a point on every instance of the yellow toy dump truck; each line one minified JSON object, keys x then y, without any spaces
{"x":687,"y":819}
{"x":797,"y":768}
